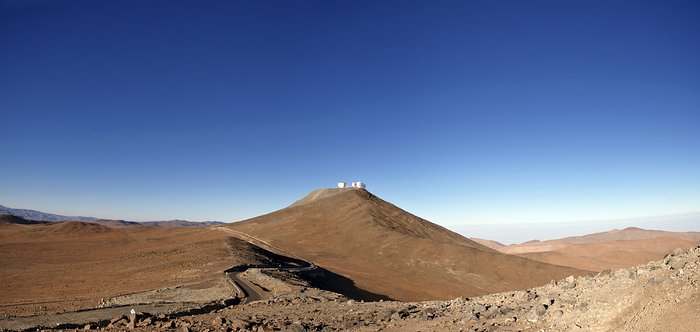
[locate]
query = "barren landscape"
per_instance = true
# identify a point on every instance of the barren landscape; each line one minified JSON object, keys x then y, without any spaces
{"x":349,"y":165}
{"x":339,"y":259}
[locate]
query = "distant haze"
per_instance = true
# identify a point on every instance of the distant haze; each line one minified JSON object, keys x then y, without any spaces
{"x":518,"y":233}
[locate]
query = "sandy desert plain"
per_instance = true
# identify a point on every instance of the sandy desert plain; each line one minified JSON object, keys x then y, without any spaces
{"x":339,"y":259}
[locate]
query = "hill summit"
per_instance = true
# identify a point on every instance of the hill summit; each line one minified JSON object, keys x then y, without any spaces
{"x":388,"y":251}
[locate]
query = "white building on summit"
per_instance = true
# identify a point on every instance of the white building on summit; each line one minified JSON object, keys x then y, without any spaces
{"x":358,"y":184}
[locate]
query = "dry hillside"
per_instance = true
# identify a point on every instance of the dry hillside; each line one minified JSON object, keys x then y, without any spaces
{"x":602,"y":251}
{"x":390,"y":252}
{"x":71,"y":265}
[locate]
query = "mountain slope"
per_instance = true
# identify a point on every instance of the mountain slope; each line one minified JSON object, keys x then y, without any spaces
{"x":606,"y":250}
{"x":388,"y":251}
{"x":8,"y":219}
{"x":33,"y":216}
{"x":41,"y":216}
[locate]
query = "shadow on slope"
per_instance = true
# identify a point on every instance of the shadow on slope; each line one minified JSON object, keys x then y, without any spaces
{"x":327,"y":280}
{"x":318,"y":277}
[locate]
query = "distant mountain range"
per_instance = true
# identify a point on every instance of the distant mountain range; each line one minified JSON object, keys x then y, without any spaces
{"x":34,"y":215}
{"x":41,"y":216}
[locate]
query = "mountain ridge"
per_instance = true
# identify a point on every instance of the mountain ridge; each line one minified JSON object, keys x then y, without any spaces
{"x":41,"y":216}
{"x":34,"y":215}
{"x":386,"y":250}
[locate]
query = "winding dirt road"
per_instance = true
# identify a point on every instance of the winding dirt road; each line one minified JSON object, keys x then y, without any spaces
{"x":249,"y":291}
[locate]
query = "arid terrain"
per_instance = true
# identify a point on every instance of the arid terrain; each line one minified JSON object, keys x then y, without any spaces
{"x":340,"y":259}
{"x":392,"y":253}
{"x":602,"y":251}
{"x":49,"y":267}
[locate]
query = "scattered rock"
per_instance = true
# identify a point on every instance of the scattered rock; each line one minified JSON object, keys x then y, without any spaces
{"x":384,"y":315}
{"x":491,"y":312}
{"x":218,"y":321}
{"x":145,"y":322}
{"x":427,"y":313}
{"x":239,"y":325}
{"x":118,"y":321}
{"x":557,"y":314}
{"x":539,"y":309}
{"x":570,"y":285}
{"x":583,"y":307}
{"x":295,"y":327}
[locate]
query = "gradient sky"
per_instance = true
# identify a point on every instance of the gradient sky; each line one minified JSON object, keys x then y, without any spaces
{"x":462,"y":112}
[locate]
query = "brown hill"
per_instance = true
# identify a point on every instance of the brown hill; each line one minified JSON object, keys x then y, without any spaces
{"x":58,"y":266}
{"x":388,"y":251}
{"x":8,"y":219}
{"x":75,"y":228}
{"x":606,"y":250}
{"x":489,"y":243}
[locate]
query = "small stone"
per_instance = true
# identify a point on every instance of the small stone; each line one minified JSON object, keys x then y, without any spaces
{"x":347,"y":325}
{"x":428,"y":313}
{"x":116,"y":319}
{"x":145,"y":322}
{"x":87,"y":327}
{"x":539,"y":309}
{"x":557,"y":314}
{"x":583,"y":307}
{"x":239,"y":324}
{"x":350,"y":302}
{"x":569,"y":279}
{"x":491,"y":312}
{"x":295,"y":327}
{"x":185,"y":329}
{"x":218,"y":321}
{"x":532,"y":317}
{"x":479,"y":308}
{"x":384,"y":315}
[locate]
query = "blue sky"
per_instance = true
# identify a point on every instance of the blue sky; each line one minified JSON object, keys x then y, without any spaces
{"x":463,"y":112}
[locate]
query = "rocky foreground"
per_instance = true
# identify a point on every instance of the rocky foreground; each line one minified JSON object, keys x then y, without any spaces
{"x":658,"y":296}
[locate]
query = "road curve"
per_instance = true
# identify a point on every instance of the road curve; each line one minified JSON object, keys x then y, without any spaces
{"x":249,"y":291}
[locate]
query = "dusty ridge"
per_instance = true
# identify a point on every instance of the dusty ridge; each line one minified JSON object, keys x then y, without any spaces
{"x":659,"y":296}
{"x":601,"y":251}
{"x":320,"y":194}
{"x":386,"y":250}
{"x":53,"y":267}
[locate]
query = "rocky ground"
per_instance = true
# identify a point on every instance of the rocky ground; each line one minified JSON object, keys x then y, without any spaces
{"x":658,"y":296}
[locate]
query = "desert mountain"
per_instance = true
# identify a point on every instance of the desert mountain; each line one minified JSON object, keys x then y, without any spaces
{"x":388,"y":251}
{"x":601,"y":251}
{"x":41,"y":216}
{"x":179,"y":223}
{"x":87,"y":261}
{"x":7,"y":219}
{"x":33,"y":216}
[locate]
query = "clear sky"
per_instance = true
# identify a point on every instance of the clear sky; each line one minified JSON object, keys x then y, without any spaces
{"x":462,"y":112}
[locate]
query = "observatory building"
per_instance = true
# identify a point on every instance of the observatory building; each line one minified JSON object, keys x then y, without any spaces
{"x":358,"y":184}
